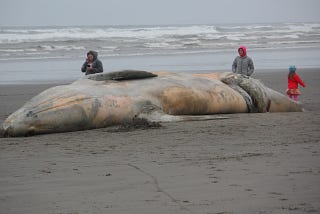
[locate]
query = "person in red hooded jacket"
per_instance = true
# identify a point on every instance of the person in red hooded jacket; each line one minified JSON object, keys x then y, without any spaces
{"x":243,"y":64}
{"x":293,"y":81}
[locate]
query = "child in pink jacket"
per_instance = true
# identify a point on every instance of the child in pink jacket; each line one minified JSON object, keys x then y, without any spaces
{"x":293,"y":81}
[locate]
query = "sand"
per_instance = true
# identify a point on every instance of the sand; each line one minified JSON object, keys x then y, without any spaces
{"x":249,"y":163}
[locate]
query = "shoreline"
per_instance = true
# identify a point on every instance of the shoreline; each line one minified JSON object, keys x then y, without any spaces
{"x":33,"y":71}
{"x":248,"y":163}
{"x":257,"y":74}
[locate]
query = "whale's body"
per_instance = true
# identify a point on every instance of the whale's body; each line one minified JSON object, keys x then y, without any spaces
{"x":108,"y":99}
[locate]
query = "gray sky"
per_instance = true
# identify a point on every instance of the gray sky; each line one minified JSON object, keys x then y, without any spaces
{"x":150,"y":12}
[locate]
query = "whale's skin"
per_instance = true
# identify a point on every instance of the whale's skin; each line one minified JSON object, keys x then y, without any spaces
{"x":98,"y":100}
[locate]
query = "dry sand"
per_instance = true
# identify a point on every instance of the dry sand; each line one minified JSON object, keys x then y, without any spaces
{"x":249,"y":163}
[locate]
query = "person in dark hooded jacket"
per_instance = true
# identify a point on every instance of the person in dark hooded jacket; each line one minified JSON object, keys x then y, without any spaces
{"x":92,"y":64}
{"x":243,"y":64}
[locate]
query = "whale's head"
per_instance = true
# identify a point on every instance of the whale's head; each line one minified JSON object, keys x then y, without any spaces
{"x":54,"y":110}
{"x":68,"y":108}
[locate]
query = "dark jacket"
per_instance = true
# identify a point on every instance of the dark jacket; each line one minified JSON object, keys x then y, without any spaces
{"x":97,"y":66}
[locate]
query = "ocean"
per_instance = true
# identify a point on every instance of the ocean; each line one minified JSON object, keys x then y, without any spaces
{"x":48,"y":54}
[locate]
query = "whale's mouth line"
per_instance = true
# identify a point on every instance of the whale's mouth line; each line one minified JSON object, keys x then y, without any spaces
{"x":65,"y":104}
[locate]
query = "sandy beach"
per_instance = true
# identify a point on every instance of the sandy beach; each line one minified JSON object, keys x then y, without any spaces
{"x":248,"y":163}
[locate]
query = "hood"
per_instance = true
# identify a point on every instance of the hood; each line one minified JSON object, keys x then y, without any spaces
{"x":244,"y":50}
{"x":94,"y":53}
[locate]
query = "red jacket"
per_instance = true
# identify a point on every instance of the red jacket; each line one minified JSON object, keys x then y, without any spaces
{"x":293,"y":83}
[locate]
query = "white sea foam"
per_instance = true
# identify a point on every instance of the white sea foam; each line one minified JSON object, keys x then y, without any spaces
{"x":152,"y":40}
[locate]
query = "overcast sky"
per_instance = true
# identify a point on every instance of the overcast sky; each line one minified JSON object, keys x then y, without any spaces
{"x":154,"y":12}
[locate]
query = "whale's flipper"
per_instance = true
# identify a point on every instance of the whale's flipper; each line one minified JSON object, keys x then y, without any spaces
{"x":153,"y":113}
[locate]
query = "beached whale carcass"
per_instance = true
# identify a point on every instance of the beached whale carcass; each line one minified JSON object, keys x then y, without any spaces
{"x":107,"y":99}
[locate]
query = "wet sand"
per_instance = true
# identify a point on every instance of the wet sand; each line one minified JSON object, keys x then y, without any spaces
{"x":249,"y":163}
